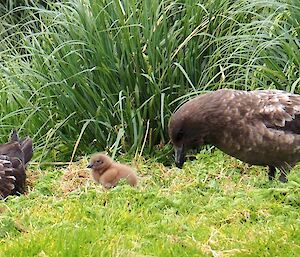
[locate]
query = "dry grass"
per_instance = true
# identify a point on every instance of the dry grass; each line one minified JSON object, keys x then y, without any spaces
{"x":76,"y":177}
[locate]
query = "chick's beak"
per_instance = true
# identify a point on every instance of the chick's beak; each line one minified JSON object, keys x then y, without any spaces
{"x":179,"y":156}
{"x":90,"y":166}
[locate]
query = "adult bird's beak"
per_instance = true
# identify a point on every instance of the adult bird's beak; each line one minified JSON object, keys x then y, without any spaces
{"x":90,"y":166}
{"x":179,"y":156}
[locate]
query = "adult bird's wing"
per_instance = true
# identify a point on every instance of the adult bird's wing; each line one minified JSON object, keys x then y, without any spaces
{"x":7,"y":179}
{"x":279,"y":110}
{"x":14,"y":157}
{"x":12,"y":176}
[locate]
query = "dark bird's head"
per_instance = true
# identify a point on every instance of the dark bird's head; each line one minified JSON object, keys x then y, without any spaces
{"x":187,"y":129}
{"x":99,"y":162}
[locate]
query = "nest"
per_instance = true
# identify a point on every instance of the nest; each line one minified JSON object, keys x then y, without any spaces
{"x":76,"y":177}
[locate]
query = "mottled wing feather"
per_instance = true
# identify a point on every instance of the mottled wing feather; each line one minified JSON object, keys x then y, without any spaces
{"x":7,"y":179}
{"x":279,"y":110}
{"x":12,"y":176}
{"x":14,"y":157}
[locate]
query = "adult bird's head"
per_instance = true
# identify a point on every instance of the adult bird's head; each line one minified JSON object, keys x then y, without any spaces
{"x":187,"y":130}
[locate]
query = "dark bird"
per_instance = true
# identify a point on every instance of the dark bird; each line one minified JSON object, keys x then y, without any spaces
{"x":108,"y":173}
{"x":14,"y":157}
{"x":259,"y":127}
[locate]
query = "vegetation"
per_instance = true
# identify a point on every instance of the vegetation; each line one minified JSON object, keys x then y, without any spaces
{"x":83,"y":76}
{"x":214,"y":207}
{"x":80,"y":76}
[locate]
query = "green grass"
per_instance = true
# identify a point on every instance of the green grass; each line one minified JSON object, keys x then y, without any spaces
{"x":215,"y":206}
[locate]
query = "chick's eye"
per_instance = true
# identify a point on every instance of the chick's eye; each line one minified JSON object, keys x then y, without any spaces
{"x":98,"y":161}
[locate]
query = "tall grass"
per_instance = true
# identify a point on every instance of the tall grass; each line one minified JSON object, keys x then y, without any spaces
{"x":106,"y":75}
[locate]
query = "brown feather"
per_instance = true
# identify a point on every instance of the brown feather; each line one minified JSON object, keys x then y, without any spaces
{"x":259,"y":127}
{"x":7,"y":180}
{"x":14,"y":157}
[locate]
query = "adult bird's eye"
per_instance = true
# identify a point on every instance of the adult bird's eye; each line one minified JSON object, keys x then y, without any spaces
{"x":179,"y":135}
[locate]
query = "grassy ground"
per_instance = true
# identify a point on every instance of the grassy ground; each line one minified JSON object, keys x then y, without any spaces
{"x":215,"y":206}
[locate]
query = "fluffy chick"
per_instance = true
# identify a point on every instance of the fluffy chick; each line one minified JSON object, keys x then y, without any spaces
{"x":108,"y":173}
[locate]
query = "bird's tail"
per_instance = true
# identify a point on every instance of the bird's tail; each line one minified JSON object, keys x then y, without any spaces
{"x":14,"y":136}
{"x":26,"y":147}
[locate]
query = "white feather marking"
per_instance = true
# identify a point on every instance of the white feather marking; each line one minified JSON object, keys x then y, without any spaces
{"x":274,"y":108}
{"x":5,"y":162}
{"x":9,"y":169}
{"x":279,"y":123}
{"x":269,"y":108}
{"x":11,"y":177}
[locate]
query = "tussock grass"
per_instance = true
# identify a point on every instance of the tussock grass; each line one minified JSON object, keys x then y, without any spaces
{"x":215,"y":206}
{"x":81,"y":76}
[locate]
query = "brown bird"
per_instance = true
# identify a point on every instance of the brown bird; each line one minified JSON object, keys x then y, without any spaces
{"x":25,"y":144}
{"x":108,"y":173}
{"x":14,"y":157}
{"x":259,"y":127}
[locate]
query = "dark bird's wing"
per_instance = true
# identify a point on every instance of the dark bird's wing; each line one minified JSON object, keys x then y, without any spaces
{"x":12,"y":176}
{"x":12,"y":149}
{"x":279,"y":110}
{"x":14,"y":157}
{"x":7,"y":180}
